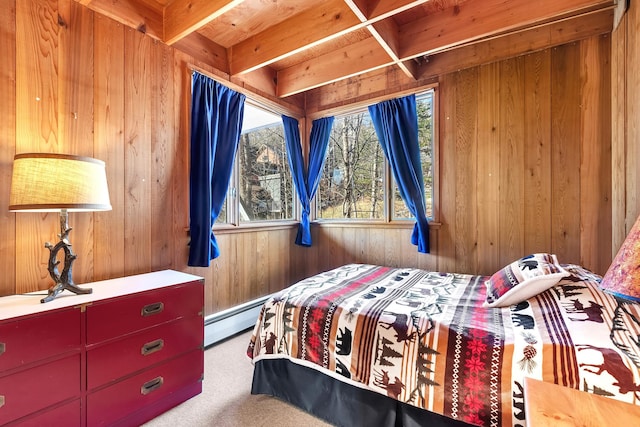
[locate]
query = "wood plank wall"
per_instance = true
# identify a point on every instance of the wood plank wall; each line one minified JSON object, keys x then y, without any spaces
{"x":625,"y":59}
{"x":338,"y":244}
{"x":525,"y":166}
{"x":74,"y":81}
{"x":525,"y":159}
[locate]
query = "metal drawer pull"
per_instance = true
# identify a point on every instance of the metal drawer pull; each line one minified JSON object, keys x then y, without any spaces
{"x":152,"y":347}
{"x":152,"y":385}
{"x":1,"y":401}
{"x":2,"y":348}
{"x":151,"y":309}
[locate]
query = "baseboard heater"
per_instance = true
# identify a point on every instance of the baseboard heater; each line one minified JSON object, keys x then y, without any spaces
{"x":226,"y":323}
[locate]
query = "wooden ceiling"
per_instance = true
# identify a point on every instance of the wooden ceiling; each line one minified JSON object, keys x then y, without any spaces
{"x":304,"y":44}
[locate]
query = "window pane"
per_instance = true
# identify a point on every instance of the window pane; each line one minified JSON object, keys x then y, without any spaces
{"x":352,"y":180}
{"x":265,"y":189}
{"x":354,"y":176}
{"x":424,"y":107}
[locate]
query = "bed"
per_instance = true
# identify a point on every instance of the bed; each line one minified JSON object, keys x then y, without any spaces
{"x":367,"y":345}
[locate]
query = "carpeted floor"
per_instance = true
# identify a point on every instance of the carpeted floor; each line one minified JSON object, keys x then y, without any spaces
{"x":226,"y":401}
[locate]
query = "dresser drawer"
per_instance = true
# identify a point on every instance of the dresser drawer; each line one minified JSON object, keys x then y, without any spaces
{"x":36,"y":388}
{"x":67,"y":415}
{"x":123,"y":315}
{"x":144,"y":389}
{"x":119,"y":358}
{"x":48,"y":335}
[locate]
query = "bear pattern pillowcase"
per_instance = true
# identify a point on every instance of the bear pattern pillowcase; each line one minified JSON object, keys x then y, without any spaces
{"x":523,"y":279}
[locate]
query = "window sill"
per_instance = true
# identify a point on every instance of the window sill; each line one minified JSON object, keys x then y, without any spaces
{"x":408,"y":224}
{"x":285,"y":225}
{"x":253,"y":227}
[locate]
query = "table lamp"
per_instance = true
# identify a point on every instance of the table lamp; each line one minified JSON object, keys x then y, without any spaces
{"x":622,"y":279}
{"x":46,"y":182}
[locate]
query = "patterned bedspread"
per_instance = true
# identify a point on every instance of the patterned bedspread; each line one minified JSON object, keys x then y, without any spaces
{"x":425,"y":339}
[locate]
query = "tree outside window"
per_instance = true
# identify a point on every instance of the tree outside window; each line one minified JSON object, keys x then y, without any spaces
{"x":356,"y":174}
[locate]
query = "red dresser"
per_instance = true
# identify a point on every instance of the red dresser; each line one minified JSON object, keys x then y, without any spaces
{"x":117,"y":357}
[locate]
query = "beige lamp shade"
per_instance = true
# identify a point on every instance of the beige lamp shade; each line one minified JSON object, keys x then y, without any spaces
{"x":622,"y":279}
{"x":46,"y":182}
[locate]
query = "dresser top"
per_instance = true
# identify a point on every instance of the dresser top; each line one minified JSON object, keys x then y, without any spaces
{"x":26,"y":304}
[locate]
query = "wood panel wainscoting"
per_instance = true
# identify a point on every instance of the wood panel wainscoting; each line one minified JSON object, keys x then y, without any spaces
{"x":525,"y":154}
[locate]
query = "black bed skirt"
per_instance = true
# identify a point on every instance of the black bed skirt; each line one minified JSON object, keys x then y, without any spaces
{"x":336,"y":402}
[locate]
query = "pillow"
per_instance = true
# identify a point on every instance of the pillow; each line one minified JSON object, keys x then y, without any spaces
{"x":523,"y":279}
{"x":578,"y":273}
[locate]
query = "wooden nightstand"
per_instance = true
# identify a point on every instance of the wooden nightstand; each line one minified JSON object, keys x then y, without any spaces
{"x":549,"y":404}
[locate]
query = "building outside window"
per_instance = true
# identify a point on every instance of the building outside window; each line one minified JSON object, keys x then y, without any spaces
{"x":261,"y":187}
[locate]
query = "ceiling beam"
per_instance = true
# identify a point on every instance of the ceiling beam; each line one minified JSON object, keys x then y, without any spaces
{"x":375,"y":10}
{"x":378,"y":84}
{"x":310,"y":28}
{"x":302,"y":31}
{"x":182,"y":17}
{"x":473,"y":21}
{"x":142,"y":17}
{"x":359,"y":7}
{"x":457,"y":26}
{"x":518,"y":43}
{"x":385,"y":31}
{"x":621,"y":8}
{"x":202,"y":49}
{"x":343,"y":63}
{"x":387,"y":34}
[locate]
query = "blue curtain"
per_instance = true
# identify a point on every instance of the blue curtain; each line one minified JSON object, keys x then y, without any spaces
{"x":396,"y":124}
{"x":216,"y":122}
{"x":306,"y":183}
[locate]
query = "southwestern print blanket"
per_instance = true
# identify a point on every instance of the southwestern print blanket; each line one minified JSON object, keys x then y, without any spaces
{"x":424,"y":338}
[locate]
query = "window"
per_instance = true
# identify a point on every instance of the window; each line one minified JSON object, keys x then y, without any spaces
{"x":356,"y":180}
{"x":261,"y":187}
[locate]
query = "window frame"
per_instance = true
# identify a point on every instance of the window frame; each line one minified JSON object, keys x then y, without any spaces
{"x":299,"y":114}
{"x":388,"y":187}
{"x":232,"y":204}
